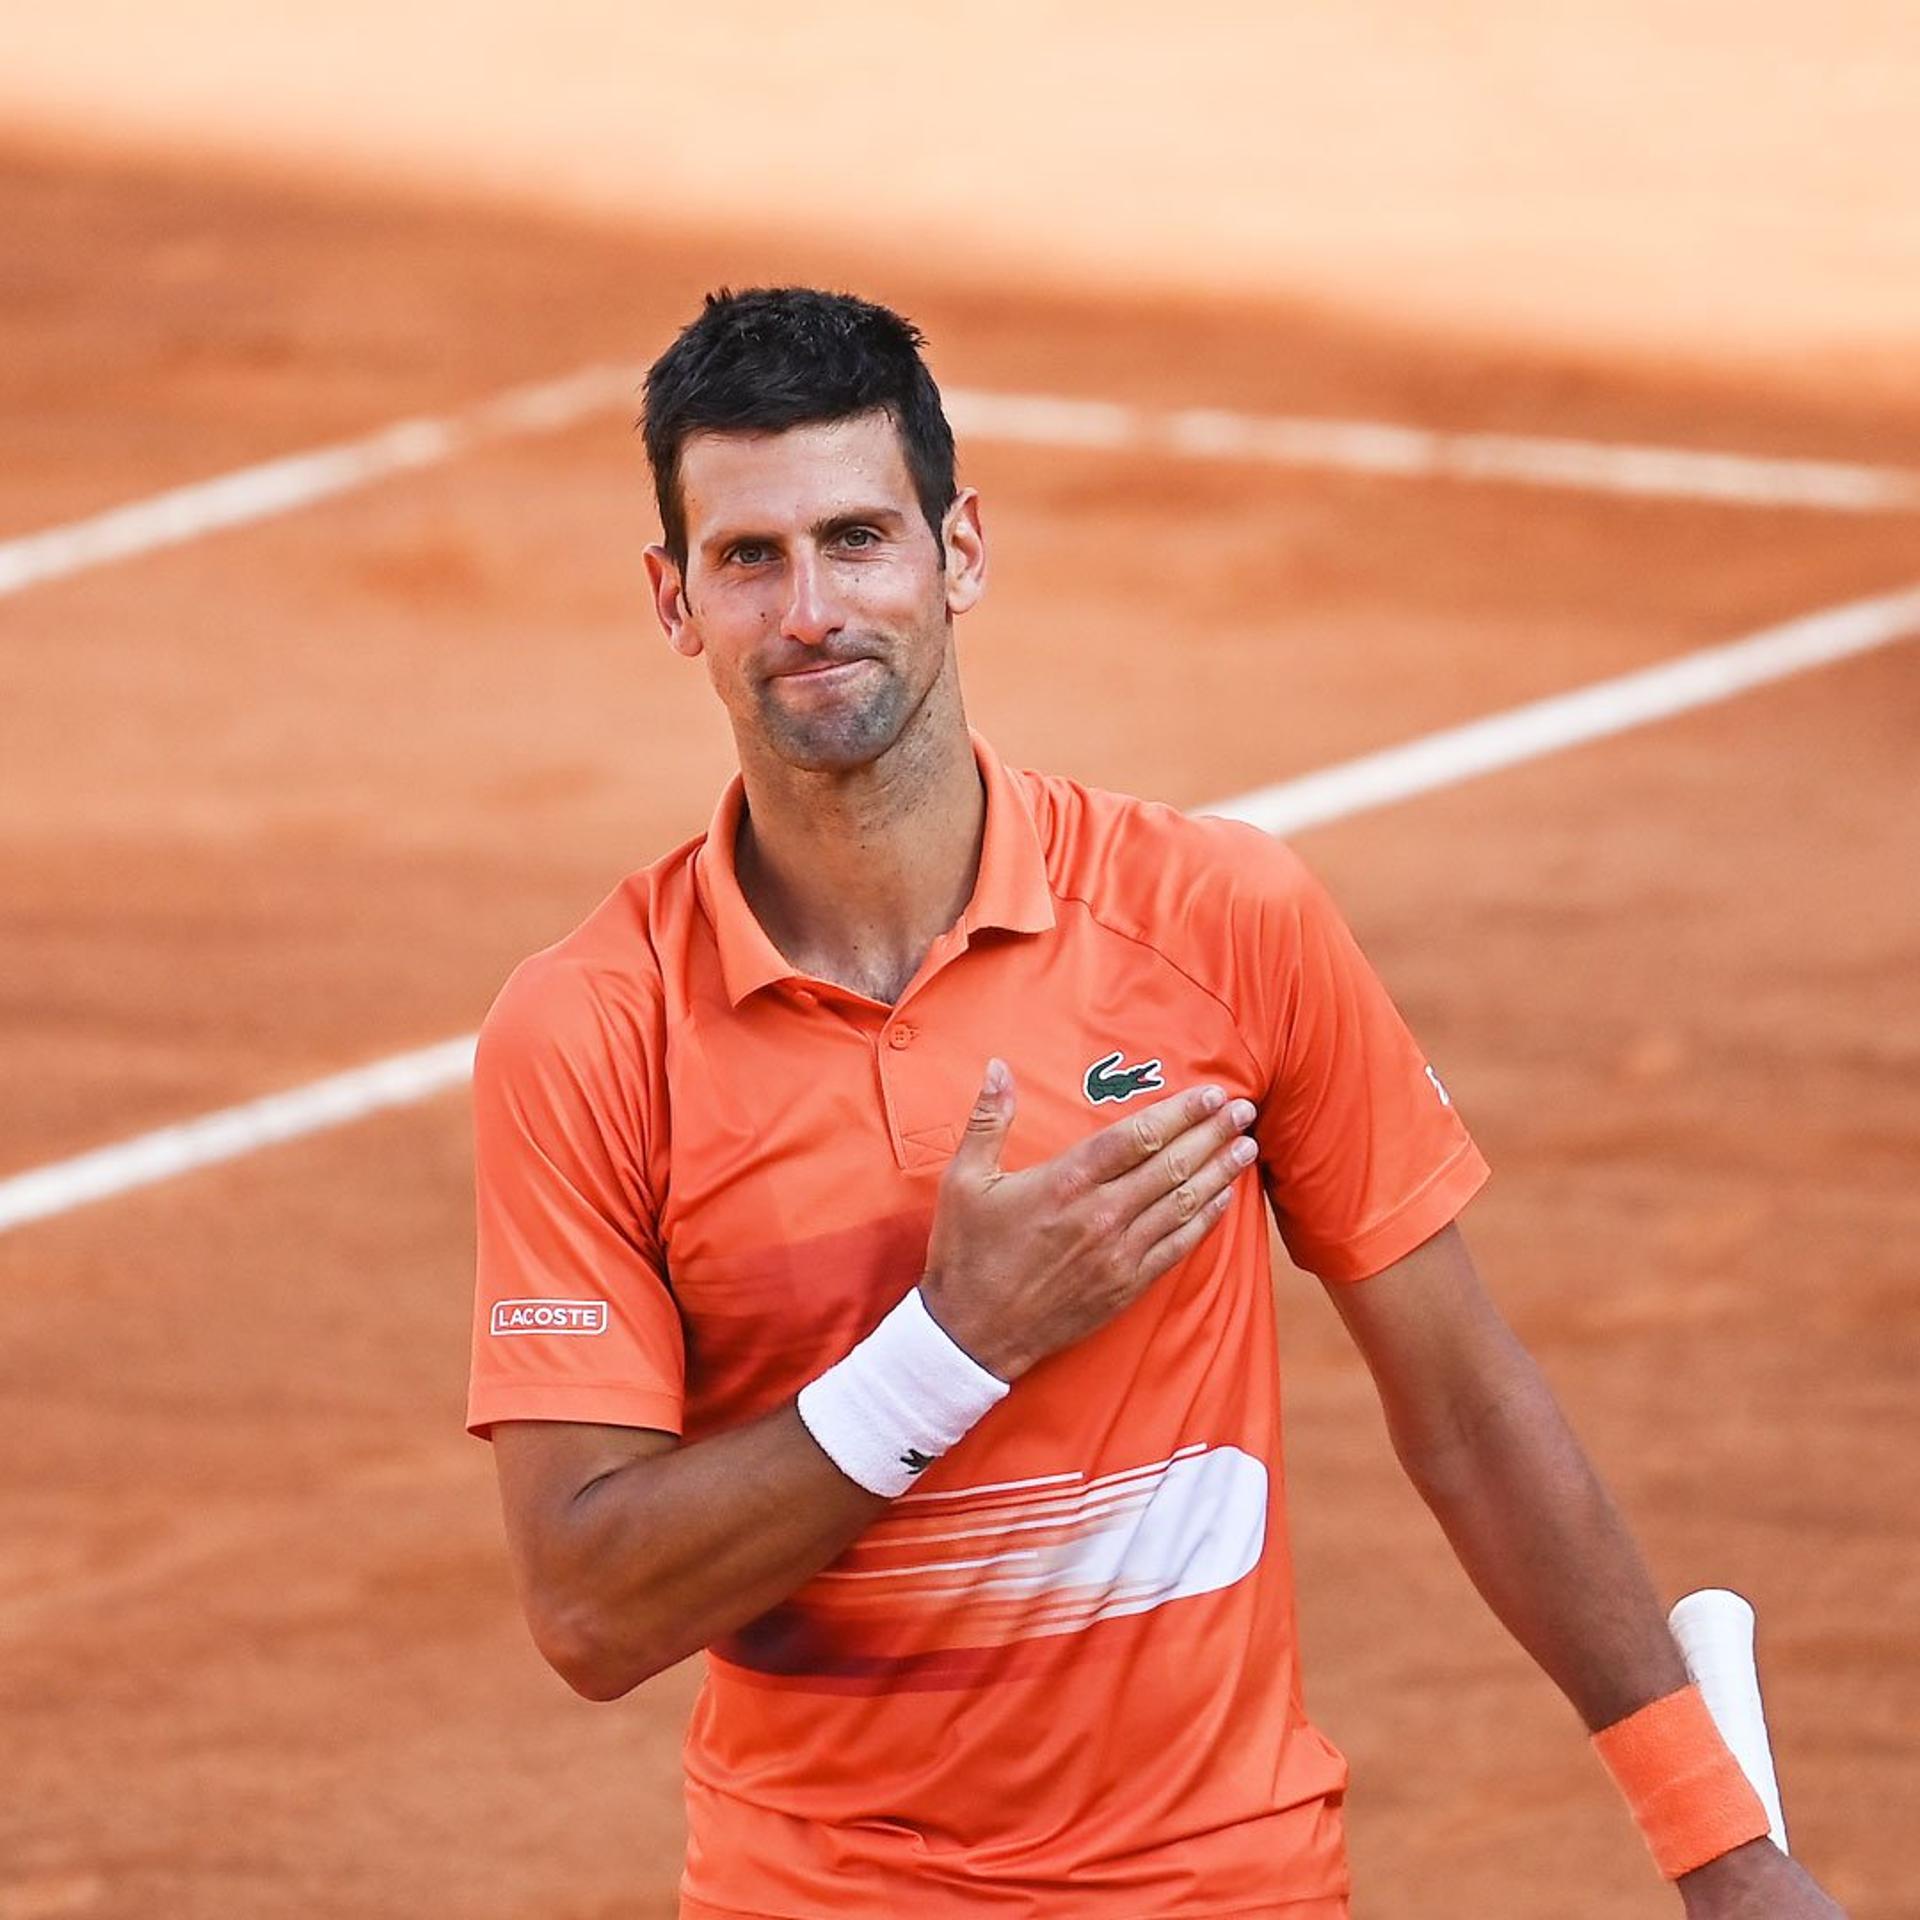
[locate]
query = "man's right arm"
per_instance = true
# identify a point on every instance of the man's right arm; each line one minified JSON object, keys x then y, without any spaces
{"x":631,"y":1551}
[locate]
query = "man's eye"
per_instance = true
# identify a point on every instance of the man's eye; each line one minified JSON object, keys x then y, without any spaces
{"x":748,"y":553}
{"x":859,"y":537}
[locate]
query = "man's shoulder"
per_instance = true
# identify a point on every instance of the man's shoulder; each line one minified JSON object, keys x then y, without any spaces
{"x":1146,"y":862}
{"x":608,"y":970}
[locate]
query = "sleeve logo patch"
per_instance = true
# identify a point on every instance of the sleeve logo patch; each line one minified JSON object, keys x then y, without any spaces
{"x":549,"y":1316}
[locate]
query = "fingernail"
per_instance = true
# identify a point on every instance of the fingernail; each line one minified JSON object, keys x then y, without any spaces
{"x":1244,"y":1151}
{"x":996,"y":1081}
{"x":1212,"y":1100}
{"x":1243,"y":1113}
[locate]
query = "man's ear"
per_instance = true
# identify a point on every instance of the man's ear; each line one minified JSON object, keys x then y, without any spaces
{"x":964,"y":546}
{"x":669,"y":585}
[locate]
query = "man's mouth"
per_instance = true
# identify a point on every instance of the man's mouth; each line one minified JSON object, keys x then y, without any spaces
{"x":822,"y":669}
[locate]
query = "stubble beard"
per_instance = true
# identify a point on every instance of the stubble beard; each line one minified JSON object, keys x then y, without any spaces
{"x":851,"y":731}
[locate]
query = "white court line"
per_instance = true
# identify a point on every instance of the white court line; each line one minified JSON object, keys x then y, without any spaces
{"x":1564,"y":720}
{"x":251,"y":494}
{"x":401,"y":1080}
{"x":1422,"y":453}
{"x":1436,"y":760}
{"x":1381,"y":448}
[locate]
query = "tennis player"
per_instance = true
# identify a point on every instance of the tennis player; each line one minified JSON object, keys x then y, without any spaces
{"x":874,"y":1283}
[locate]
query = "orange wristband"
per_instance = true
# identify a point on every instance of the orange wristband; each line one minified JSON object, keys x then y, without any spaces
{"x":1685,"y":1787}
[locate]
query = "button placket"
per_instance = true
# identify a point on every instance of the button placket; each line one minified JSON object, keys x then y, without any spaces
{"x":882,"y":1046}
{"x":922,"y":1119}
{"x":894,"y":1054}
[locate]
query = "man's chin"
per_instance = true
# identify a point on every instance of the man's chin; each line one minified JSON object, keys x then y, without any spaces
{"x":830,"y":747}
{"x":833,"y":742}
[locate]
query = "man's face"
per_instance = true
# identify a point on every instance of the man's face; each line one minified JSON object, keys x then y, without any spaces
{"x":814,"y":586}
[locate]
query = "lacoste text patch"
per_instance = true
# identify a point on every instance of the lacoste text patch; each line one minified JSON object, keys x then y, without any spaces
{"x":549,"y":1316}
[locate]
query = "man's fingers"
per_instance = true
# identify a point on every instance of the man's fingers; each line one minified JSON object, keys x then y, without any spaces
{"x":1169,"y":1252}
{"x":1172,"y":1169}
{"x":1118,"y":1149}
{"x":1173,"y":1208}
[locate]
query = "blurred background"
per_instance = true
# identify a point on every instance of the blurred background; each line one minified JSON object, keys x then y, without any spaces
{"x":1332,"y":377}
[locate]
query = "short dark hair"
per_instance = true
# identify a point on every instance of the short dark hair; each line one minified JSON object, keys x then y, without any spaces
{"x":770,"y":358}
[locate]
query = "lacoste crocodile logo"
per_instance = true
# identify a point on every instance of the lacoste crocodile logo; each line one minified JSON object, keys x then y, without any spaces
{"x":915,"y":1461}
{"x":1107,"y":1079}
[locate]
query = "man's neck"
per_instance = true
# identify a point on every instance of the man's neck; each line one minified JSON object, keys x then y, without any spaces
{"x":854,"y":876}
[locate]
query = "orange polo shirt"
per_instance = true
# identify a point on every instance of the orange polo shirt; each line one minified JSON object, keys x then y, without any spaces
{"x":1059,"y":1677}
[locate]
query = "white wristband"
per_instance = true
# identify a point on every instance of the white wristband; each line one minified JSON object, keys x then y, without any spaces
{"x":898,"y":1401}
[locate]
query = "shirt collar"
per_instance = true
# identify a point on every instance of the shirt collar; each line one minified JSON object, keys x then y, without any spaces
{"x":1011,"y":890}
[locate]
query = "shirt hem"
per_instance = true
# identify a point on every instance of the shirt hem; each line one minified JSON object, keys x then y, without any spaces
{"x":1431,"y":1206}
{"x":594,"y":1403}
{"x":1310,"y":1906}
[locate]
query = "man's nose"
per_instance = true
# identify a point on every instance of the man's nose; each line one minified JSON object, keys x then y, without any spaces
{"x":812,"y":615}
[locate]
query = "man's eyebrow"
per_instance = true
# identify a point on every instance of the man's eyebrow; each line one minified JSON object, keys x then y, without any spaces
{"x":887,"y":517}
{"x":725,"y":537}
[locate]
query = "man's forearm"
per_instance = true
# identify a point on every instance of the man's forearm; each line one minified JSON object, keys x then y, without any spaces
{"x":1537,"y":1534}
{"x":662,"y":1554}
{"x":1480,"y":1434}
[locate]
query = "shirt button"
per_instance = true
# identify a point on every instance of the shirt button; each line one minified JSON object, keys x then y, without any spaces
{"x":900,"y":1037}
{"x":806,"y":996}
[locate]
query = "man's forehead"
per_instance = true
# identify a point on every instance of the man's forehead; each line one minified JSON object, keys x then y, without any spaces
{"x":804,"y":469}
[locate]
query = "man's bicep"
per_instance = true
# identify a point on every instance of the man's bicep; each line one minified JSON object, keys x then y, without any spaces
{"x":545,"y":1465}
{"x":1438,"y":1348}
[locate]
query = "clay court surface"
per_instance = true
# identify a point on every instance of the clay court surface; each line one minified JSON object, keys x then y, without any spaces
{"x":295,"y":796}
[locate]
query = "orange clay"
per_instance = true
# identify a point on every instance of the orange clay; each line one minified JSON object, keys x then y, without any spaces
{"x":1685,"y":1787}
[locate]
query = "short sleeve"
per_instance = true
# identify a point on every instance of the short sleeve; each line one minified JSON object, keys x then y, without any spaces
{"x":1362,"y":1149}
{"x":573,"y":1319}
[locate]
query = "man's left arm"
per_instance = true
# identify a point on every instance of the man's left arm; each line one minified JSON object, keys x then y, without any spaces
{"x":1479,"y":1433}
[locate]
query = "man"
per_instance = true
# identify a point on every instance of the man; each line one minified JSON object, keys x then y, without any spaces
{"x":959,"y":1450}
